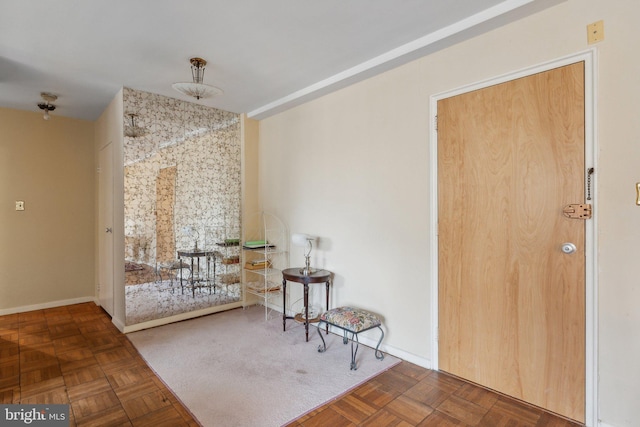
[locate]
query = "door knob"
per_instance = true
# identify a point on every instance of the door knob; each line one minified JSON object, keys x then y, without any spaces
{"x":569,"y":248}
{"x":108,"y":230}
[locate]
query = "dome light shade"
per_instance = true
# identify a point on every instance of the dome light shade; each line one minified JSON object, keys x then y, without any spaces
{"x":196,"y":88}
{"x":48,"y":104}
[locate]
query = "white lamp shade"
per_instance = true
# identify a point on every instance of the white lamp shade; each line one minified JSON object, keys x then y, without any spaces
{"x":300,"y":239}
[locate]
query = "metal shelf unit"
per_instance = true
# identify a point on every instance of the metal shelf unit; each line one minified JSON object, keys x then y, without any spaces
{"x":265,"y":253}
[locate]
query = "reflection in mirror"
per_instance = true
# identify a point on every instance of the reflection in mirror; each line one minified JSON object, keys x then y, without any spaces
{"x":182,"y":207}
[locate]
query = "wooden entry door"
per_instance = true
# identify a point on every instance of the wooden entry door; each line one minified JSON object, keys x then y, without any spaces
{"x":511,"y":302}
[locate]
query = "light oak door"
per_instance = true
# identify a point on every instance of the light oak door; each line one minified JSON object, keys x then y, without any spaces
{"x":511,"y":302}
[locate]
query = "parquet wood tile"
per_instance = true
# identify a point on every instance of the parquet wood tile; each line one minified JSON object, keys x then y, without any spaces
{"x":84,"y":375}
{"x":114,"y":416}
{"x":165,"y":417}
{"x":75,"y":355}
{"x":9,"y":352}
{"x":88,"y":389}
{"x":6,"y":396}
{"x":393,"y":380}
{"x":57,"y":395}
{"x":429,"y":394}
{"x":384,"y":418}
{"x":508,"y":412}
{"x":438,"y":419}
{"x":39,"y":375}
{"x":409,"y":410}
{"x":63,"y":330}
{"x":9,"y":368}
{"x":40,"y":387}
{"x":477,"y":395}
{"x":77,"y":359}
{"x":136,"y":389}
{"x":70,"y":343}
{"x":39,"y":337}
{"x":353,"y":408}
{"x":468,"y":412}
{"x":142,"y":405}
{"x":427,"y":398}
{"x":328,"y":417}
{"x":37,"y":359}
{"x":376,"y":393}
{"x":137,"y":374}
{"x":94,"y":404}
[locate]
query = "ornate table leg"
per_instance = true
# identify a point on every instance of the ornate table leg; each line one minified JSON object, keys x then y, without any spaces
{"x":327,"y":294}
{"x":284,"y":304}
{"x":306,"y":310}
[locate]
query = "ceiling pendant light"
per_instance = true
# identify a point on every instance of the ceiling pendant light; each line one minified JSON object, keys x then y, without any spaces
{"x":47,"y":105}
{"x":197,"y":89}
{"x":133,"y":130}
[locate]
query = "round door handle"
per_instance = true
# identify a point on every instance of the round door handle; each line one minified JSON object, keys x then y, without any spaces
{"x":569,"y":248}
{"x":108,"y":230}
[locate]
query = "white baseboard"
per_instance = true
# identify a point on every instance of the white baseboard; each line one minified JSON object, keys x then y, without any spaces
{"x":51,"y":304}
{"x":394,"y":351}
{"x":601,"y":424}
{"x":118,"y":324}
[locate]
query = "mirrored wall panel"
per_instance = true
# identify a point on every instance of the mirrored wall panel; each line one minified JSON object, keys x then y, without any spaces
{"x":182,"y":206}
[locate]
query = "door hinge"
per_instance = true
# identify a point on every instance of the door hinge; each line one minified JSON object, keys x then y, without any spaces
{"x":435,"y":122}
{"x":577,"y":211}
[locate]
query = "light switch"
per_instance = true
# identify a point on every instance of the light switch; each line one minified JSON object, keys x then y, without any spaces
{"x":595,"y":32}
{"x":19,"y":205}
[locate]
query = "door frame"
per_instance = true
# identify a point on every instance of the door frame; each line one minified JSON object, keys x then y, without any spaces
{"x":106,"y":220}
{"x":591,"y":286}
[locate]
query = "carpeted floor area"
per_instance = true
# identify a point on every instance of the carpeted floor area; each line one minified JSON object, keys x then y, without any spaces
{"x":236,"y":369}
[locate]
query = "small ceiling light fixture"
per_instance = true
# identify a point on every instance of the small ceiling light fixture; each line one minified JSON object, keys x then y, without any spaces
{"x":197,"y":89}
{"x":133,"y":130}
{"x":47,"y":105}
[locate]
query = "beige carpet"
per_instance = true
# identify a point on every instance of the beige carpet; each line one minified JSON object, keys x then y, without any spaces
{"x":235,"y":369}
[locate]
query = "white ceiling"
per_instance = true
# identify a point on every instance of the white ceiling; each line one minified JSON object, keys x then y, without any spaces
{"x":266,"y":55}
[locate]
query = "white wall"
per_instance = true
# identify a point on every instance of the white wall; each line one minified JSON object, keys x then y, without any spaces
{"x":352,"y":168}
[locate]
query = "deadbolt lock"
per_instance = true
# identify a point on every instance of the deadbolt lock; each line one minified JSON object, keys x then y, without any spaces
{"x":577,"y":211}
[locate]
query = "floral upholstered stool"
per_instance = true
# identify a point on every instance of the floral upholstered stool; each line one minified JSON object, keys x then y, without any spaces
{"x":351,"y":320}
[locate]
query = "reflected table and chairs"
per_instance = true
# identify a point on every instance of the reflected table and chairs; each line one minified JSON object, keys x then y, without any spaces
{"x":199,"y":276}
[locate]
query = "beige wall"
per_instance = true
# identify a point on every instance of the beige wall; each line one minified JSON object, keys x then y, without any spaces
{"x":250,"y":137}
{"x":353,"y":168}
{"x":46,"y":251}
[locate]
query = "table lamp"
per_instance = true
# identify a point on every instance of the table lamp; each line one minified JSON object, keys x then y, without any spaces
{"x":299,"y":239}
